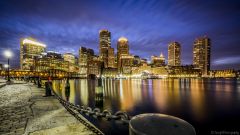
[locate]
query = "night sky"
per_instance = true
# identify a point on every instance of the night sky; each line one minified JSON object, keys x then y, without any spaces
{"x":149,"y":25}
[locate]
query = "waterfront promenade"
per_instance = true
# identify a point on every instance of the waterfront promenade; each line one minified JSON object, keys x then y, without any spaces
{"x":24,"y":110}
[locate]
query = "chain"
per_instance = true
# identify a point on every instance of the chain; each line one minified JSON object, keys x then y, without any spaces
{"x":121,"y":116}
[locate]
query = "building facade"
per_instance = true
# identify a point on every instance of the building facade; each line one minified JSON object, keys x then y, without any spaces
{"x":69,"y":57}
{"x":158,"y":61}
{"x":104,"y":45}
{"x":201,"y":54}
{"x":174,"y":54}
{"x":122,"y":50}
{"x":30,"y":50}
{"x":88,"y":62}
{"x":111,"y":58}
{"x":186,"y":71}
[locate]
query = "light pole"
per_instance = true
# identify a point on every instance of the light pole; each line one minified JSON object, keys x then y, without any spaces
{"x":6,"y":67}
{"x":8,"y":55}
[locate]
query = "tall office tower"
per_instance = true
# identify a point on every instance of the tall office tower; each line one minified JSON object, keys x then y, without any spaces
{"x":104,"y":45}
{"x":85,"y":56}
{"x":174,"y":54}
{"x":30,"y":50}
{"x":69,"y":57}
{"x":122,"y":50}
{"x":201,"y":54}
{"x":111,"y":58}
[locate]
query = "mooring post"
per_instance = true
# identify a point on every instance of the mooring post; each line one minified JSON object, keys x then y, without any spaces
{"x":39,"y":82}
{"x":67,"y":89}
{"x":159,"y":124}
{"x":48,"y":91}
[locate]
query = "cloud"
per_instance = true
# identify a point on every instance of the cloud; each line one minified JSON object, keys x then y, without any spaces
{"x":149,"y":25}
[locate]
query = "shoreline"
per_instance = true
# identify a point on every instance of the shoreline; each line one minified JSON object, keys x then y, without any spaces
{"x":24,"y":110}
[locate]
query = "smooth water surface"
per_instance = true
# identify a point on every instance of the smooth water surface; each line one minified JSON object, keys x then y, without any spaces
{"x":207,"y":104}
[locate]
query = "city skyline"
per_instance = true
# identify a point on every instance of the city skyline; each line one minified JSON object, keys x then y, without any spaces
{"x":151,"y":37}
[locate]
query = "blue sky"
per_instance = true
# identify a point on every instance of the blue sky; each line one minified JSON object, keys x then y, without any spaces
{"x":150,"y":25}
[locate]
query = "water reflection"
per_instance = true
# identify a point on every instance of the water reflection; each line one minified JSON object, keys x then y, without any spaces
{"x":196,"y":100}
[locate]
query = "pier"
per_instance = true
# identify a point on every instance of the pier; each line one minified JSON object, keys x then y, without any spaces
{"x":24,"y":110}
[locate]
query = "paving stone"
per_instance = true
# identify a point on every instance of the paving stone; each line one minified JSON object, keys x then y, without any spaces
{"x":16,"y":102}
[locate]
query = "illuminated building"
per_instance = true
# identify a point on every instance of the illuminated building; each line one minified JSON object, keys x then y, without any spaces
{"x":146,"y":71}
{"x":126,"y":62}
{"x":69,"y":57}
{"x":158,"y":61}
{"x":104,"y":45}
{"x":183,"y":71}
{"x":111,"y":58}
{"x":143,"y":62}
{"x":174,"y":54}
{"x":51,"y":60}
{"x":227,"y":73}
{"x":88,"y":62}
{"x":85,"y":55}
{"x":110,"y":72}
{"x":94,"y":66}
{"x":30,"y":50}
{"x":136,"y":61}
{"x":122,"y":50}
{"x":201,"y":54}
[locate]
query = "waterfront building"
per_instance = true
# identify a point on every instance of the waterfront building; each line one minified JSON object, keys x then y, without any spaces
{"x":126,"y":62}
{"x":104,"y":45}
{"x":201,"y":54}
{"x":89,"y":63}
{"x":143,"y":62}
{"x":52,"y":54}
{"x":94,"y":66}
{"x":122,"y":50}
{"x":54,"y":61}
{"x":136,"y":61}
{"x":48,"y":63}
{"x":111,"y":58}
{"x":30,"y":50}
{"x":227,"y":73}
{"x":183,"y":71}
{"x":158,"y":61}
{"x":69,"y":57}
{"x":85,"y":56}
{"x":109,"y":72}
{"x":174,"y":54}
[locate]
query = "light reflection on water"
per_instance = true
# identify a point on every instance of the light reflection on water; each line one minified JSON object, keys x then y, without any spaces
{"x":207,"y":104}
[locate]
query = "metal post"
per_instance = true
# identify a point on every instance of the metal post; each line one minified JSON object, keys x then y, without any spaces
{"x":67,"y":89}
{"x":159,"y":124}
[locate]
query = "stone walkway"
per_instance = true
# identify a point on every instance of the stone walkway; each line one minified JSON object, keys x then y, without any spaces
{"x":23,"y":110}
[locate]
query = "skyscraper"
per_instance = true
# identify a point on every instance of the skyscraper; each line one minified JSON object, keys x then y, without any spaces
{"x":111,"y":58}
{"x":30,"y":50}
{"x":201,"y":54}
{"x":122,"y":50}
{"x":104,"y":45}
{"x":85,"y":56}
{"x":174,"y":54}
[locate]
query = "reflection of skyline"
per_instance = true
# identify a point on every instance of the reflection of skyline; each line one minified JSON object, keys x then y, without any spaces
{"x":165,"y":95}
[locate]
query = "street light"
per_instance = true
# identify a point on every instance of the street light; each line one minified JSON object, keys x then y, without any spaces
{"x":5,"y":67}
{"x":8,"y":55}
